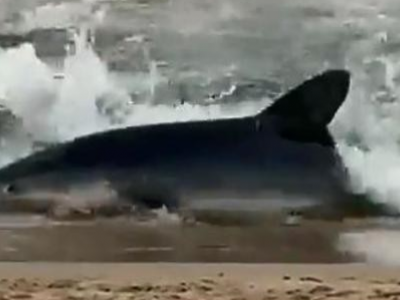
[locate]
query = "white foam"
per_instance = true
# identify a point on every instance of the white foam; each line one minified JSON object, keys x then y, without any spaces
{"x":61,"y":104}
{"x":63,"y":15}
{"x":374,"y":246}
{"x":368,"y":129}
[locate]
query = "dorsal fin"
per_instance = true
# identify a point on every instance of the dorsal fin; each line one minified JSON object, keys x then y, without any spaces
{"x":304,"y":112}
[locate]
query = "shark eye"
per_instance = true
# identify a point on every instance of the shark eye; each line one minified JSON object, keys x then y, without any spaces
{"x":9,"y":188}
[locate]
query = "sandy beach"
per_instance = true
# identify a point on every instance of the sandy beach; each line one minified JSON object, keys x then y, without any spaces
{"x":197,"y":281}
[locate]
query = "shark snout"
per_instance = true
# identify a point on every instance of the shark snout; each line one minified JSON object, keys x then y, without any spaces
{"x":7,"y":190}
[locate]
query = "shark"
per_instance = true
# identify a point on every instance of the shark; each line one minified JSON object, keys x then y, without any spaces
{"x":281,"y":158}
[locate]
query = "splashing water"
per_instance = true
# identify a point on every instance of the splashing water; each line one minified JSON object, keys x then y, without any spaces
{"x":368,"y":129}
{"x":84,"y":100}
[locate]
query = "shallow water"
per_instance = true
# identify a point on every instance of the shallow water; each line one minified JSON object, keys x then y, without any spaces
{"x":30,"y":238}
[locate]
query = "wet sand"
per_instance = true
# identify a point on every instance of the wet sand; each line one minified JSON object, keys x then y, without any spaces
{"x":197,"y":281}
{"x":124,"y":240}
{"x":33,"y":238}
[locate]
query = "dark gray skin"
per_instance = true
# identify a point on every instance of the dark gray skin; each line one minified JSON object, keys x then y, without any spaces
{"x":13,"y":40}
{"x":47,"y":41}
{"x":282,"y":157}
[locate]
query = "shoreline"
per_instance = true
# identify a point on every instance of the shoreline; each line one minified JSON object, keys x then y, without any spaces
{"x":185,"y":271}
{"x":121,"y":281}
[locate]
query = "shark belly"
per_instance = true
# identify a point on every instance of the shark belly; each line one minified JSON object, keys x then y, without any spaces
{"x":270,"y":193}
{"x":267,"y":181}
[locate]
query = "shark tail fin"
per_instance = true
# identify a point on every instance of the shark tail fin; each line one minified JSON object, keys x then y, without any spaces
{"x":304,"y":113}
